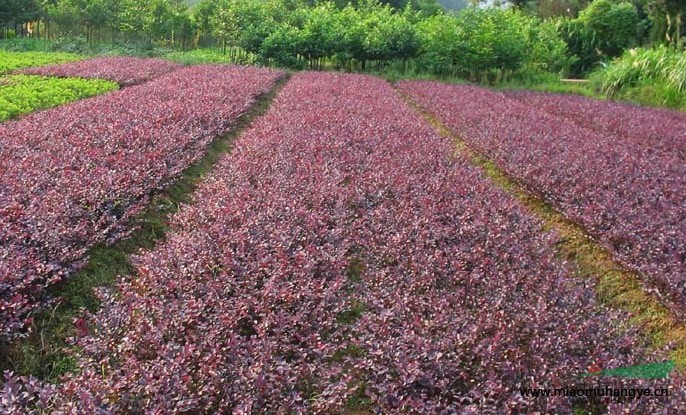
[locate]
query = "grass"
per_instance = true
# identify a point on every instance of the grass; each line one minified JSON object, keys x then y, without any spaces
{"x":654,"y":94}
{"x":44,"y":353}
{"x":615,"y":285}
{"x":557,"y":86}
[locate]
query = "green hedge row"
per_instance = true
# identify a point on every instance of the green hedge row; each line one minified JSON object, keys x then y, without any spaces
{"x":21,"y":94}
{"x":10,"y":61}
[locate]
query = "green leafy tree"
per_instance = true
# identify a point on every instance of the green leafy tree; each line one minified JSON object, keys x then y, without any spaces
{"x":202,"y":18}
{"x":546,"y":51}
{"x":283,"y":46}
{"x":581,"y":43}
{"x":491,"y":40}
{"x":615,"y":25}
{"x":133,"y":17}
{"x":319,"y":33}
{"x":387,"y":35}
{"x":19,"y":12}
{"x":438,"y":48}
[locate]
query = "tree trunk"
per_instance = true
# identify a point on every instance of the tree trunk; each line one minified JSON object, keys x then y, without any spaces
{"x":668,"y":34}
{"x":678,"y":28}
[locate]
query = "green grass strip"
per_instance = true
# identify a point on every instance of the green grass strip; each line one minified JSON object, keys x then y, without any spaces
{"x":22,"y":94}
{"x":658,"y":370}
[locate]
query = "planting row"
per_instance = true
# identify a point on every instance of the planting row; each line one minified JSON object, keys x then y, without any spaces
{"x":659,"y":129}
{"x":340,"y":256}
{"x":21,"y":94}
{"x":628,"y":195}
{"x":71,"y":177}
{"x":126,"y":71}
{"x":10,"y":61}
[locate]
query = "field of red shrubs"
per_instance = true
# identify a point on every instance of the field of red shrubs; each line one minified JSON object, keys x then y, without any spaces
{"x":342,"y":253}
{"x":655,"y":128}
{"x":71,"y":176}
{"x":624,"y":181}
{"x":342,"y":258}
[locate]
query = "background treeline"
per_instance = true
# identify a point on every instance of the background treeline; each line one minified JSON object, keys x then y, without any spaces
{"x":519,"y":39}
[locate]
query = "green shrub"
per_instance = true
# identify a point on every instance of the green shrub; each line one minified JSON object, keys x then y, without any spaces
{"x":26,"y":44}
{"x":233,"y":55}
{"x":604,"y":29}
{"x":581,"y":43}
{"x":546,"y":51}
{"x":22,"y":94}
{"x":10,"y":61}
{"x":644,"y":66}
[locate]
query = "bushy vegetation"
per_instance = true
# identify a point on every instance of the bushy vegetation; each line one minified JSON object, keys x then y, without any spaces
{"x":478,"y":44}
{"x":10,"y":61}
{"x":21,"y":94}
{"x":481,"y":42}
{"x":654,"y":76}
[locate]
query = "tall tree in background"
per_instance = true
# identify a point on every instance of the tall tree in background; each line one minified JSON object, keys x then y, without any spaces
{"x":14,"y":14}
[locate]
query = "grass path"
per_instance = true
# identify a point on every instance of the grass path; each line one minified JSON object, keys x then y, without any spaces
{"x":615,"y":285}
{"x":42,"y":354}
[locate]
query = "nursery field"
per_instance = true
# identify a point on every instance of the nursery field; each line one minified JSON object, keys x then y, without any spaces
{"x":71,"y":176}
{"x":342,"y":257}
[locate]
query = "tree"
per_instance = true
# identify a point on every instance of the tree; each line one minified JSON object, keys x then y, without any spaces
{"x":387,"y":34}
{"x":202,"y":19}
{"x":615,"y":25}
{"x":18,"y":13}
{"x":438,"y":50}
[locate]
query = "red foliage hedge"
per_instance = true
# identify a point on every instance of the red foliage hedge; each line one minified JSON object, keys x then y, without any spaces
{"x":124,"y":70}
